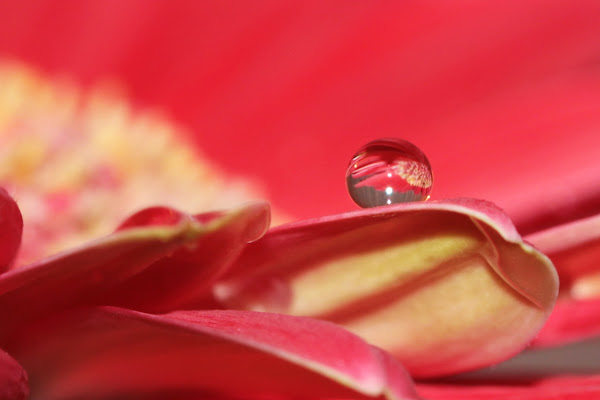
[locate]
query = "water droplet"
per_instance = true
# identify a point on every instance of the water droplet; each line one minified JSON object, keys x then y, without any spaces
{"x":389,"y":171}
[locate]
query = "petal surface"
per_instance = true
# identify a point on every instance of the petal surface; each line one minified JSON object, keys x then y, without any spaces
{"x":555,"y":388}
{"x":11,"y":229}
{"x":13,"y":379}
{"x":444,"y":286}
{"x":181,"y":279}
{"x":571,"y":320}
{"x":109,"y":352}
{"x":126,"y":266}
{"x":575,"y":250}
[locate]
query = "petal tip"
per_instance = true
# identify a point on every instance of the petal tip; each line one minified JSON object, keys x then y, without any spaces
{"x":11,"y":229}
{"x":13,"y":379}
{"x":259,"y":220}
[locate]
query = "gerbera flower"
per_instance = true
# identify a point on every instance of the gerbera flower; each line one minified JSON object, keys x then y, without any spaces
{"x":116,"y":312}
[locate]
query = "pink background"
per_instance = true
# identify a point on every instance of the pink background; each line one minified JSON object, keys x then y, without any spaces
{"x":503,"y":96}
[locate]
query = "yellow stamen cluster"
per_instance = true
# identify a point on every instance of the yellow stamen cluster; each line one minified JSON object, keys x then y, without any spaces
{"x":79,"y":162}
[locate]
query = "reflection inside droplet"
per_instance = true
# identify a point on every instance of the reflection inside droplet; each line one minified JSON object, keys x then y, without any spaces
{"x":389,"y":171}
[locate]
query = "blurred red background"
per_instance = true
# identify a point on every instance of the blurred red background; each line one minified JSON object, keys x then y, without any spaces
{"x":503,"y":96}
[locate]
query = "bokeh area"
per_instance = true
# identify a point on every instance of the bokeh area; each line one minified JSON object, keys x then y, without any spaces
{"x":502,"y":96}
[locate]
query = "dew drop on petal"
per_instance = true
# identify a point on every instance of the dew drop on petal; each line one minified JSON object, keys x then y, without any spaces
{"x":389,"y":171}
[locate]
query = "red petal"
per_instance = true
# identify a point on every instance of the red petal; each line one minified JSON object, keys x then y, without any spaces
{"x":102,"y":268}
{"x":392,"y":273}
{"x":182,"y":279}
{"x":13,"y":379}
{"x":555,"y":388}
{"x":109,"y":352}
{"x":570,"y":320}
{"x":574,"y":248}
{"x":11,"y":229}
{"x":154,"y":216}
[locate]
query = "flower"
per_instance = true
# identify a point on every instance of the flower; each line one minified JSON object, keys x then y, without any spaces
{"x":114,"y":351}
{"x":420,"y":70}
{"x":84,"y":321}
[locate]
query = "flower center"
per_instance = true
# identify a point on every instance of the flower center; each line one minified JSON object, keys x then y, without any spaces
{"x":77,"y":163}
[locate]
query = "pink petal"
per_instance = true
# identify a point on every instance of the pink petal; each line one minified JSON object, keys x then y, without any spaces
{"x":574,"y":248}
{"x":109,"y":352}
{"x":11,"y":228}
{"x":182,"y":279}
{"x":153,"y":216}
{"x":145,"y":253}
{"x":13,"y":379}
{"x":571,"y":320}
{"x":554,"y":388}
{"x":444,"y":286}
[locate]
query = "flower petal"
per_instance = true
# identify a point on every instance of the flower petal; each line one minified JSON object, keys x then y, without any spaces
{"x":575,"y":250}
{"x":570,"y":320}
{"x":11,"y":229}
{"x":554,"y":387}
{"x":103,"y":267}
{"x":13,"y":379}
{"x":106,"y":352}
{"x":444,"y":286}
{"x":182,"y":279}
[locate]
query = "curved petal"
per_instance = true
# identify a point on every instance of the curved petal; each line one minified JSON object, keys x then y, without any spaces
{"x":141,"y":254}
{"x":182,"y":279}
{"x":11,"y":229}
{"x":13,"y":379}
{"x":106,"y":352}
{"x":444,"y":286}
